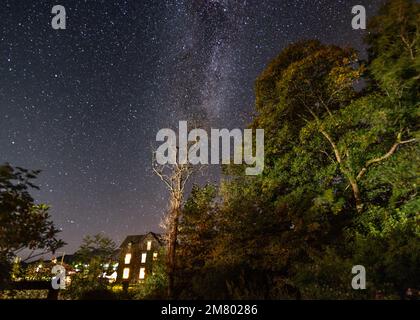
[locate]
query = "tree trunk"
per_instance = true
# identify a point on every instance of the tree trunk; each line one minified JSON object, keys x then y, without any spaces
{"x":175,"y":177}
{"x":171,"y":248}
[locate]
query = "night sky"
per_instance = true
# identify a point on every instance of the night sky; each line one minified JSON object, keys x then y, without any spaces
{"x":84,"y":104}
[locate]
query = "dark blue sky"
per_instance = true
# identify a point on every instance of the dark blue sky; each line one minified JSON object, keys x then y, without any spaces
{"x":84,"y":104}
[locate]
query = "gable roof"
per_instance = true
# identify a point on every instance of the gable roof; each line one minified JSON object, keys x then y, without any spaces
{"x":134,"y":239}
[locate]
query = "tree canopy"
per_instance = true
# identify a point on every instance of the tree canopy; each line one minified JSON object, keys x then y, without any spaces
{"x":340,"y":184}
{"x":25,"y":226}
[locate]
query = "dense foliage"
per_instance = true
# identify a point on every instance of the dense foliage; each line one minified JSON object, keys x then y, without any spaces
{"x":93,"y":262}
{"x":25,"y":226}
{"x":340,"y":184}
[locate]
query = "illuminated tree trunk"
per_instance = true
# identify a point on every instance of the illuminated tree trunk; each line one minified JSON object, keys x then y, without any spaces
{"x":172,"y":236}
{"x":175,"y":177}
{"x":356,"y":193}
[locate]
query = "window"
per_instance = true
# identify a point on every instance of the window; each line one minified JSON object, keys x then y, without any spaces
{"x":143,"y":257}
{"x":127,"y":258}
{"x":149,"y":245}
{"x":126,"y":273}
{"x":142,"y":273}
{"x":155,"y":256}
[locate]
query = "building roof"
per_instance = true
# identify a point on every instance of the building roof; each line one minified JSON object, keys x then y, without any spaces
{"x":139,"y":238}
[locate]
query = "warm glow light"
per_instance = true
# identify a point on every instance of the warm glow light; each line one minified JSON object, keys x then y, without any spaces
{"x":127,"y":258}
{"x":112,"y":278}
{"x":155,"y":255}
{"x":149,"y":245}
{"x":126,"y":273}
{"x":143,"y":257}
{"x":142,"y":273}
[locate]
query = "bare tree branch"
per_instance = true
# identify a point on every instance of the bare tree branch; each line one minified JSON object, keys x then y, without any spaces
{"x":384,"y":157}
{"x":333,"y":145}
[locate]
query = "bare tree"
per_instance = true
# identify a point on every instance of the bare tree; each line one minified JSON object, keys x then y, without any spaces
{"x":175,"y":177}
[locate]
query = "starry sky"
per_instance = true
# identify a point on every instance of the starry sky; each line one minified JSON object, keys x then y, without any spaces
{"x":84,"y":104}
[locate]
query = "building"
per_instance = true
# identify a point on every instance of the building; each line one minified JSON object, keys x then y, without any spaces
{"x":138,"y":253}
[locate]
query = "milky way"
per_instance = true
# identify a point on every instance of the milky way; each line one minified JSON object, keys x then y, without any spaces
{"x":84,"y":104}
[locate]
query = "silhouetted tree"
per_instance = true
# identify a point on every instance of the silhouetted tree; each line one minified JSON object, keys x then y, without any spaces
{"x":25,"y":227}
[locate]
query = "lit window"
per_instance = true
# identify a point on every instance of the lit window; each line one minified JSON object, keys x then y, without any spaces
{"x":143,"y":257}
{"x":142,"y":273}
{"x":126,"y":273}
{"x":155,"y":256}
{"x":127,"y":258}
{"x":149,"y":245}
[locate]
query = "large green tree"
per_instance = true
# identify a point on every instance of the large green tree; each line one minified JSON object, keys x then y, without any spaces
{"x":340,"y":184}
